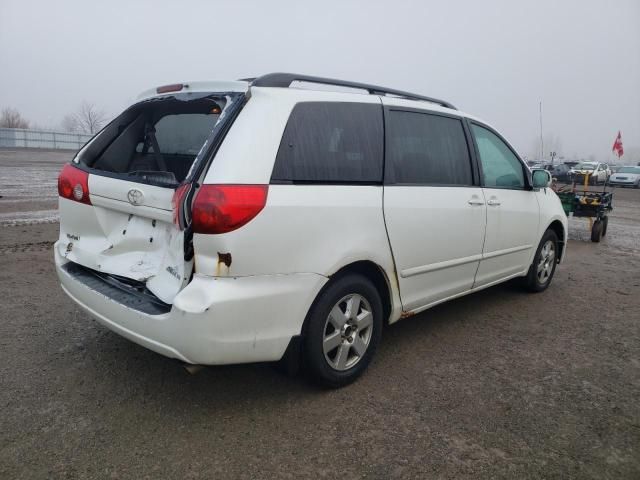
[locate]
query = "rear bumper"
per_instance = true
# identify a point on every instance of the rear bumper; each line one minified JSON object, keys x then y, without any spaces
{"x":213,"y":320}
{"x":579,"y":178}
{"x":622,"y":183}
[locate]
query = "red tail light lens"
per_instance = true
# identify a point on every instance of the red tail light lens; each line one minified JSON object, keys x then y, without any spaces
{"x":224,"y":208}
{"x":73,"y":184}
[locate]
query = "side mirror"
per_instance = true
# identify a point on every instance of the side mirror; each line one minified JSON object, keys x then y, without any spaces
{"x":541,"y":179}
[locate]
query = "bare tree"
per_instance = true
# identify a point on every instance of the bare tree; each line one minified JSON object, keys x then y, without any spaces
{"x":88,"y":119}
{"x":11,"y":118}
{"x":69,"y":123}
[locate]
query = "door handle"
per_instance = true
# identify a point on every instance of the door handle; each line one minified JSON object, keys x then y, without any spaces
{"x":476,"y":201}
{"x":494,"y":202}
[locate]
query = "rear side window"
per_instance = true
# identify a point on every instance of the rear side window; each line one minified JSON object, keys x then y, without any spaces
{"x":331,"y":142}
{"x":426,"y":149}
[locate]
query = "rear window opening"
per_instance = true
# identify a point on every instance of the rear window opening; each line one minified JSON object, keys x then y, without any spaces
{"x":156,"y":141}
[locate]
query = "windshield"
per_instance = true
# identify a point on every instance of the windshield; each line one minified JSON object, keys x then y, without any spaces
{"x":585,"y":166}
{"x":630,"y":170}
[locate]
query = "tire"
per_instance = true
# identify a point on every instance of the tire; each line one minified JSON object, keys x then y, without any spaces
{"x":605,"y":223}
{"x":637,"y":185}
{"x":544,"y":263}
{"x":330,"y":321}
{"x":596,"y":231}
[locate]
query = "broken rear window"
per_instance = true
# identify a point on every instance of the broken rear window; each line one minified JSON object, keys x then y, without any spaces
{"x":158,"y":139}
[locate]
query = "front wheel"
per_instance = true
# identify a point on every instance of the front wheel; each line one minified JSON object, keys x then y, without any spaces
{"x":544,"y":263}
{"x":343,"y":329}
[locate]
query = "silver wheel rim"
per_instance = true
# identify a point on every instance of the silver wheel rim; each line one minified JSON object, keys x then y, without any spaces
{"x":546,"y":262}
{"x":347,"y":332}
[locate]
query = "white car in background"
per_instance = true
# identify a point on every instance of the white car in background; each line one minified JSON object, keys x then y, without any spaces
{"x":247,"y":221}
{"x":626,"y":177}
{"x":597,"y":172}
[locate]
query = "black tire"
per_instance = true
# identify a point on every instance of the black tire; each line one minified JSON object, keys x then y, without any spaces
{"x":532,"y":281}
{"x":318,"y":326}
{"x":596,"y":231}
{"x":605,"y":223}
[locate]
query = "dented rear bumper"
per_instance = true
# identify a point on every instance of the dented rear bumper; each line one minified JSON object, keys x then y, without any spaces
{"x":213,"y":320}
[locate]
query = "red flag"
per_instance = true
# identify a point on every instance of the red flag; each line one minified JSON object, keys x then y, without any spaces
{"x":617,"y":145}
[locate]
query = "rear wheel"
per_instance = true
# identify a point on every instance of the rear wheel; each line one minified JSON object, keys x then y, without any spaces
{"x":343,"y":330}
{"x":605,"y":223}
{"x":544,"y":263}
{"x":597,"y":231}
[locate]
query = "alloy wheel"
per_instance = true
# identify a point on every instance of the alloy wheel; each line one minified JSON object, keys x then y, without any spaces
{"x":546,"y":262}
{"x":347,"y":332}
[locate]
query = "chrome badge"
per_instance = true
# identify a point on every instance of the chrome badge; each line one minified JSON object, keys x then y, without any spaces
{"x":135,"y":196}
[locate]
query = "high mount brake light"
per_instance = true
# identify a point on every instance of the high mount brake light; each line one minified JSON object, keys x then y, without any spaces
{"x":73,"y":184}
{"x":174,"y":87}
{"x":224,"y":208}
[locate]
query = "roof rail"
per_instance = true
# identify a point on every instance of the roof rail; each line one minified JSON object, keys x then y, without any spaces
{"x":284,"y":80}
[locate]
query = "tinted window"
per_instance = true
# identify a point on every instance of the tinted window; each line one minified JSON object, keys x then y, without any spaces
{"x":331,"y":142}
{"x":500,"y":167}
{"x":426,"y":149}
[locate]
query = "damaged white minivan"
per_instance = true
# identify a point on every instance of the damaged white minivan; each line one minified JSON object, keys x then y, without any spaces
{"x":275,"y":219}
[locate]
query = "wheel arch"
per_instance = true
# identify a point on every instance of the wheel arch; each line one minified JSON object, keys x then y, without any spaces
{"x":377,"y":275}
{"x":370,"y":270}
{"x":558,"y":228}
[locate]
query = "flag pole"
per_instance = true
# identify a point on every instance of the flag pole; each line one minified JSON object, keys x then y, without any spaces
{"x":541,"y":139}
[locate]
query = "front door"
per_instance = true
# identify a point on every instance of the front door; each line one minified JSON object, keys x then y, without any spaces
{"x":512,"y":210}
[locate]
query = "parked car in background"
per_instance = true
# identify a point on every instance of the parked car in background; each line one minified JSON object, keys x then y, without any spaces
{"x":626,"y":177}
{"x":598,"y":172}
{"x":246,"y":221}
{"x":559,"y":171}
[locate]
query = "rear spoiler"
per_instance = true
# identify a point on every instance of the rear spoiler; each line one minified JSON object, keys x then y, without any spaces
{"x":196,"y":87}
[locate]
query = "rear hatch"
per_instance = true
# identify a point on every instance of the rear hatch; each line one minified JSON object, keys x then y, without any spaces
{"x":124,"y":200}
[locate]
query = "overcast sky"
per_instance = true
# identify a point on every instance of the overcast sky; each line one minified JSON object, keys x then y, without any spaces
{"x":494,"y":59}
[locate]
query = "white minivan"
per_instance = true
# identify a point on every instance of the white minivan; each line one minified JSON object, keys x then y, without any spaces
{"x":274,"y":219}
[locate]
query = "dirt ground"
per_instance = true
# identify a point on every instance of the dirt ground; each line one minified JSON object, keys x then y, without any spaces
{"x":499,"y":384}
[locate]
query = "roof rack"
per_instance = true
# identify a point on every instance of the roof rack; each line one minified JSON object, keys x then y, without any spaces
{"x":284,"y":80}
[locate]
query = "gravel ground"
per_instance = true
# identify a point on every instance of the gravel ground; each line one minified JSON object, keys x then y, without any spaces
{"x":28,"y":185}
{"x":499,"y":384}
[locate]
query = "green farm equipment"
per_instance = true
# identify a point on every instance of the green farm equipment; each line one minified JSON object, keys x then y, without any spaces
{"x":595,"y":206}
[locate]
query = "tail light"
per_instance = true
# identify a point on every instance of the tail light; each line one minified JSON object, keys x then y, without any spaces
{"x":73,"y":184}
{"x":224,"y":208}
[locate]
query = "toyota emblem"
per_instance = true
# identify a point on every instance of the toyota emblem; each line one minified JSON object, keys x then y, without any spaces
{"x":135,"y":196}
